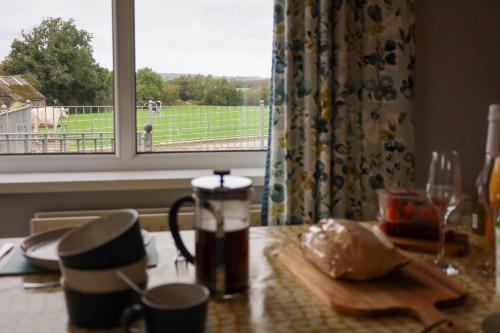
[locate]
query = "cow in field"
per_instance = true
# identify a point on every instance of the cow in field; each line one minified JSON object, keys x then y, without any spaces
{"x":154,"y":107}
{"x":47,"y":117}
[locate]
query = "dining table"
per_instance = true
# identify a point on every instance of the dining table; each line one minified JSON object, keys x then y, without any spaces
{"x":275,"y":302}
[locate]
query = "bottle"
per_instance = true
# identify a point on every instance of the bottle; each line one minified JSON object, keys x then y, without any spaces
{"x":494,"y":196}
{"x":482,"y":214}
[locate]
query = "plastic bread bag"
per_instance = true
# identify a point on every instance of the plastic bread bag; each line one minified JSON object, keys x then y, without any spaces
{"x":345,"y":249}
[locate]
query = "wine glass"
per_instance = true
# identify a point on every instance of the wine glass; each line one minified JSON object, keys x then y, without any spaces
{"x":444,"y":191}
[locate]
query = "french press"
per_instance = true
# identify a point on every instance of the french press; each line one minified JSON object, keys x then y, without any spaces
{"x":222,"y":219}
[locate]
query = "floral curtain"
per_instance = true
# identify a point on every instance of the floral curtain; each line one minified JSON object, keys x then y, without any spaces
{"x":342,"y":95}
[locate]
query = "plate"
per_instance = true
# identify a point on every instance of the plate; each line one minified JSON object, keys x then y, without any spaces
{"x":41,"y":249}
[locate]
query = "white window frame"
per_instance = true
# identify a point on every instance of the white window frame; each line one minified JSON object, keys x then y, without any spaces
{"x":125,"y":157}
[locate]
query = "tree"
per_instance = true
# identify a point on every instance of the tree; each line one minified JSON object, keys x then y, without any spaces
{"x":251,"y":96}
{"x":222,"y":92}
{"x":104,"y":94}
{"x":205,"y":90}
{"x":264,"y":92}
{"x":149,"y":86}
{"x":57,"y":58}
{"x":171,"y":93}
{"x":191,"y":88}
{"x":258,"y":91}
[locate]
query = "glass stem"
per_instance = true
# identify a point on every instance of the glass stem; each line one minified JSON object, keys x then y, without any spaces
{"x":442,"y":236}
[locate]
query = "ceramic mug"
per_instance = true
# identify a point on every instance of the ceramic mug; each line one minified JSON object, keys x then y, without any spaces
{"x":111,"y":241}
{"x":173,"y":308}
{"x":90,"y":255}
{"x":97,"y":310}
{"x":491,"y":324}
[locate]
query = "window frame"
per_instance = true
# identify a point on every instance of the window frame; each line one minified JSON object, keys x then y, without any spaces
{"x":125,"y":157}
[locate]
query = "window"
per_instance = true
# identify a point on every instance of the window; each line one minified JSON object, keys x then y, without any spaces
{"x":202,"y":75}
{"x":128,"y":117}
{"x":56,"y":80}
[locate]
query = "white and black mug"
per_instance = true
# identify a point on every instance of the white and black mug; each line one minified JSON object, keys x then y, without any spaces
{"x":90,"y":256}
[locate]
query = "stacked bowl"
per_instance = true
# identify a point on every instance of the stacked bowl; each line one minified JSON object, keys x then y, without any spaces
{"x":90,"y":257}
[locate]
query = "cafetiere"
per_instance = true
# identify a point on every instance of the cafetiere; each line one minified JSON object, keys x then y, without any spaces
{"x":222,"y":205}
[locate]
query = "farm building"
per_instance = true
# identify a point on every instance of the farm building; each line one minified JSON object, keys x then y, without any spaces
{"x":15,"y":91}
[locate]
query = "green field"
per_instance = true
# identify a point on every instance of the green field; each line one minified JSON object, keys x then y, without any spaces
{"x":180,"y":124}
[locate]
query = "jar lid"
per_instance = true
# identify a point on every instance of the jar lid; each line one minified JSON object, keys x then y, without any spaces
{"x":222,"y":186}
{"x":212,"y":183}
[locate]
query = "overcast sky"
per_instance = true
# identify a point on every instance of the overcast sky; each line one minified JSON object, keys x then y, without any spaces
{"x":172,"y":36}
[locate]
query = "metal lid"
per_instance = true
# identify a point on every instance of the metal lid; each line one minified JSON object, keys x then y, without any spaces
{"x":222,"y":186}
{"x":493,"y":134}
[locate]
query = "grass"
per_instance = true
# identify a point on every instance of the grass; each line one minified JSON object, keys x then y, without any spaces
{"x":180,"y":124}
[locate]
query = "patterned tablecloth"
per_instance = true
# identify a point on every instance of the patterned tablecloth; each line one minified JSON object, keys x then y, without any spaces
{"x":276,"y":302}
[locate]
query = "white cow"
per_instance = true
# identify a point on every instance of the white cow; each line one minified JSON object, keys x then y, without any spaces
{"x":47,"y":117}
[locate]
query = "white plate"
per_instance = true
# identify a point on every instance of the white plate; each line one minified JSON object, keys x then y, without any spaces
{"x":41,"y":249}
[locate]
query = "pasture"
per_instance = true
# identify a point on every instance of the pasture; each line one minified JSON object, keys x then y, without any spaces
{"x":175,"y":124}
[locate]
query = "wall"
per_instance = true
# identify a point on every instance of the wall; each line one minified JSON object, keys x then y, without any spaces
{"x":458,"y":76}
{"x":18,"y":209}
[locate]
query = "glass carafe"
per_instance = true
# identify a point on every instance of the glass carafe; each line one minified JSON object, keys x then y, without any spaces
{"x":221,"y":225}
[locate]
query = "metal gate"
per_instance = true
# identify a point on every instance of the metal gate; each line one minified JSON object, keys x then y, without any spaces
{"x":15,"y":131}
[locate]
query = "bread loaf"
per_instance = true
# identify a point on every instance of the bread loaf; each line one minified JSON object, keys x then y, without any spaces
{"x":345,"y":249}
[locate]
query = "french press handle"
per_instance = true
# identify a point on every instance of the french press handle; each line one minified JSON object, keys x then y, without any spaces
{"x":174,"y":226}
{"x":220,"y":270}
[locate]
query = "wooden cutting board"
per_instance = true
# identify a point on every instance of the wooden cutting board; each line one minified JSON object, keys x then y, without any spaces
{"x":456,"y":249}
{"x":413,"y":290}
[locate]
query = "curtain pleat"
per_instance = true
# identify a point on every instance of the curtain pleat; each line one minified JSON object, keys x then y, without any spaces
{"x":342,"y":95}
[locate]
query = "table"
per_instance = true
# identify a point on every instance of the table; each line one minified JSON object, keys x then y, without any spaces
{"x":276,"y":302}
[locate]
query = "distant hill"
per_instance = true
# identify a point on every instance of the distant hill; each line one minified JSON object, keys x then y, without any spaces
{"x":172,"y":76}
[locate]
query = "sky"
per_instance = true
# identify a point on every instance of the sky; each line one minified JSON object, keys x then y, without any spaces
{"x":172,"y":36}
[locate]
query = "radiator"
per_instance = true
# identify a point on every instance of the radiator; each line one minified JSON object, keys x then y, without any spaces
{"x":151,"y":219}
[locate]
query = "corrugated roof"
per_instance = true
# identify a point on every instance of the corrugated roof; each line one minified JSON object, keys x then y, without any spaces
{"x":19,"y":89}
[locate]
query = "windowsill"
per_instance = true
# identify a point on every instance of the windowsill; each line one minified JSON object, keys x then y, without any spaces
{"x":111,"y":180}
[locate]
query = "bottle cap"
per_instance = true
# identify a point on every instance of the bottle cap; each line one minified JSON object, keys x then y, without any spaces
{"x":494,"y":114}
{"x":493,"y":136}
